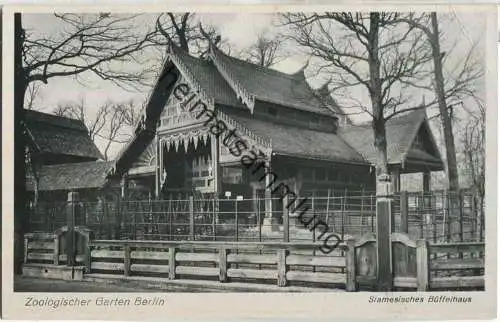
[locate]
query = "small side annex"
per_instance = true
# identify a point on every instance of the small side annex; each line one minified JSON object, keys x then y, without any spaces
{"x":61,"y":157}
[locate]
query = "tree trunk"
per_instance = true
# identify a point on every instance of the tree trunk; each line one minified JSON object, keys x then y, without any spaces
{"x":20,"y":86}
{"x":445,"y":117}
{"x":378,"y":123}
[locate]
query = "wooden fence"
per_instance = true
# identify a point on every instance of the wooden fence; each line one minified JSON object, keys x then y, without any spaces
{"x":418,"y":264}
{"x":353,"y":266}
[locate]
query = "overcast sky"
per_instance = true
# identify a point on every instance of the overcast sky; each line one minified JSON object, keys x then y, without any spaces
{"x":240,"y":30}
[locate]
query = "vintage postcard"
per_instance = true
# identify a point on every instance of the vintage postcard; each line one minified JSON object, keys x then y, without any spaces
{"x":249,"y":161}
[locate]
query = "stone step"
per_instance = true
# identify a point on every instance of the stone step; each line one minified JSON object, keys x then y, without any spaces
{"x":53,"y":271}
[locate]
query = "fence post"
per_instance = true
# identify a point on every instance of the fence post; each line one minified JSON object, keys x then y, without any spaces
{"x":171,"y":263}
{"x":56,"y":249}
{"x":403,"y":205}
{"x":474,"y":217}
{"x":461,"y":220}
{"x":222,"y":264}
{"x":282,"y":253}
{"x":236,"y":219}
{"x":126,"y":260}
{"x":88,"y":259}
{"x":26,"y":242}
{"x":286,"y":220}
{"x":384,"y":246}
{"x":191,"y":218}
{"x":350,"y":263}
{"x":422,"y":265}
{"x":71,"y":209}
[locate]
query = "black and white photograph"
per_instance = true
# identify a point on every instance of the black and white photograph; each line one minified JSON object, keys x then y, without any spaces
{"x":306,"y":151}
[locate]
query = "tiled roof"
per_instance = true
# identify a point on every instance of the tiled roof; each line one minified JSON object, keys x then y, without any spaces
{"x":265,"y":84}
{"x":400,"y":133}
{"x":60,"y":135}
{"x":301,"y":142}
{"x":209,"y":78}
{"x":72,"y":176}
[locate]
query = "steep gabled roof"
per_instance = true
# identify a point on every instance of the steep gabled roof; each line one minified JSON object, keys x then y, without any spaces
{"x":272,"y":86}
{"x":60,"y":135}
{"x":400,"y":133}
{"x":207,"y":75}
{"x":234,"y":82}
{"x":72,"y":176}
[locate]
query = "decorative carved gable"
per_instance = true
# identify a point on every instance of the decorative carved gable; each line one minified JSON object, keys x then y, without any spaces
{"x":147,"y":157}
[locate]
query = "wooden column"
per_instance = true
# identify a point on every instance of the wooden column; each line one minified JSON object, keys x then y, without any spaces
{"x":350,"y":258}
{"x":124,"y":187}
{"x":426,"y":181}
{"x":71,"y":209}
{"x":426,"y":185}
{"x":124,"y":209}
{"x":286,"y":221}
{"x":422,"y":266}
{"x":191,"y":218}
{"x":404,"y":211}
{"x":214,"y":150}
{"x":384,"y":247}
{"x":396,"y":179}
{"x":268,"y":195}
{"x":158,"y":151}
{"x":270,"y":223}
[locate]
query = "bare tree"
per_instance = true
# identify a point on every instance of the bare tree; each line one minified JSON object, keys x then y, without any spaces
{"x":32,"y":95}
{"x":184,"y":30}
{"x":473,"y":139}
{"x":265,"y":51}
{"x":371,"y":51}
{"x":112,"y":123}
{"x":94,"y":43}
{"x":447,"y":91}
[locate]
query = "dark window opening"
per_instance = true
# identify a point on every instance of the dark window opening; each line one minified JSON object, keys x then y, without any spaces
{"x":272,"y":111}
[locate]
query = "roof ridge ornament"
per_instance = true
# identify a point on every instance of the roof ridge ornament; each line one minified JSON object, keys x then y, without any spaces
{"x":215,"y":54}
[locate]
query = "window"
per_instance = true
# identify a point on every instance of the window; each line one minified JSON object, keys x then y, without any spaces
{"x":272,"y":111}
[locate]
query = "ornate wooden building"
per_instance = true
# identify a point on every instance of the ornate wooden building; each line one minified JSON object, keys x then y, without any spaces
{"x":305,"y":138}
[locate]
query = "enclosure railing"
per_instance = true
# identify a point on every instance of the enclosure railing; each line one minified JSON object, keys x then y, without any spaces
{"x":437,"y":216}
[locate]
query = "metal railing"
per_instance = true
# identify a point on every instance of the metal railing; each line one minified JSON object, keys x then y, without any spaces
{"x":436,"y":216}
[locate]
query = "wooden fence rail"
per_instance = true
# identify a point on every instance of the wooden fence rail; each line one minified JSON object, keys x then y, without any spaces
{"x":276,"y":261}
{"x":417,"y":264}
